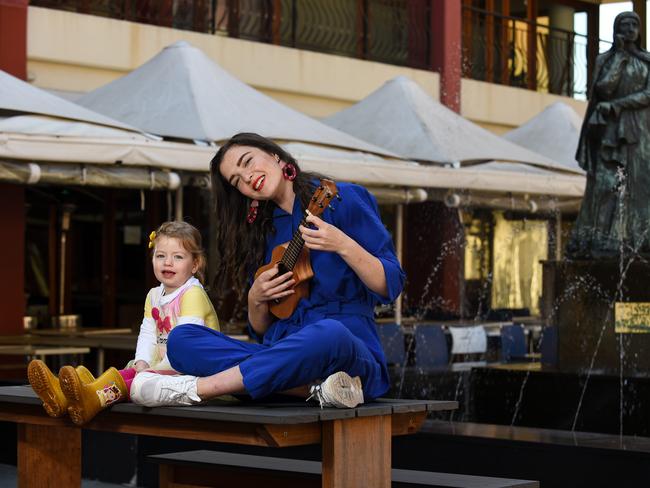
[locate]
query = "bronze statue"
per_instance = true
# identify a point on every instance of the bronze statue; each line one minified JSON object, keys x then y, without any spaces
{"x":614,"y":150}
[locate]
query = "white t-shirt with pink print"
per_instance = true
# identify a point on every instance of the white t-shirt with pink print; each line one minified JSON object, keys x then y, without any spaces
{"x":189,"y":304}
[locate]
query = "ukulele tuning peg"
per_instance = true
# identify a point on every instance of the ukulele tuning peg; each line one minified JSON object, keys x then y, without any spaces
{"x":314,"y":199}
{"x":331,"y":208}
{"x":338,"y":197}
{"x":320,"y":205}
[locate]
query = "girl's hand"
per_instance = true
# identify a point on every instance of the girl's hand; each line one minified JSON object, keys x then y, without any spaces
{"x":268,"y":286}
{"x":140,"y":365}
{"x":326,"y":237}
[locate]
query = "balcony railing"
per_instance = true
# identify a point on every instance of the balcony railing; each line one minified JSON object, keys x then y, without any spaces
{"x":388,"y":31}
{"x":497,"y":49}
{"x":195,"y":15}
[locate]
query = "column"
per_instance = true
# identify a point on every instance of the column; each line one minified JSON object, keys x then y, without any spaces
{"x":641,"y":10}
{"x":13,"y":37}
{"x":13,"y":60}
{"x":559,"y":53}
{"x":446,"y":49}
{"x":12,"y":247}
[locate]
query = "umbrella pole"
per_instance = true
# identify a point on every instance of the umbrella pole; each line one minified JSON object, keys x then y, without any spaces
{"x":399,"y":247}
{"x":558,"y":236}
{"x":179,"y":204}
{"x":65,"y":226}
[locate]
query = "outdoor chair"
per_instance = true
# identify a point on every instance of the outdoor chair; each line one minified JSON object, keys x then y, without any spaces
{"x":468,"y":342}
{"x":430,"y":347}
{"x":513,"y":343}
{"x":392,"y":341}
{"x":548,"y":345}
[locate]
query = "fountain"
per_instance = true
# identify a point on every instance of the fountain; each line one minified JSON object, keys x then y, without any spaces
{"x":595,"y":371}
{"x":598,"y":298}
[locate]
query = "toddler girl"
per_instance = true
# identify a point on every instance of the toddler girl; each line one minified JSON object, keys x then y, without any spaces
{"x":179,"y":264}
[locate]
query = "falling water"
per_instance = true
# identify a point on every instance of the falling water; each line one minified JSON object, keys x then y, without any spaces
{"x":585,"y":282}
{"x":627,"y":255}
{"x":426,"y":304}
{"x":577,"y":287}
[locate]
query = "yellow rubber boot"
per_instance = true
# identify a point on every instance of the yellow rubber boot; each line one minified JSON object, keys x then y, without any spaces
{"x":47,"y":387}
{"x":87,"y":399}
{"x":85,"y":375}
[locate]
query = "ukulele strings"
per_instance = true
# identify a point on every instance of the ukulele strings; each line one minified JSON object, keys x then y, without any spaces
{"x":292,"y":253}
{"x":290,"y":257}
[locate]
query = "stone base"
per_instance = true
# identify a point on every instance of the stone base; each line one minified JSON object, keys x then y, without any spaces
{"x":578,"y":299}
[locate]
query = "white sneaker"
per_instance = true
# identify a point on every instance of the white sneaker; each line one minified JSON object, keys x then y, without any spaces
{"x":339,"y":390}
{"x":158,"y":390}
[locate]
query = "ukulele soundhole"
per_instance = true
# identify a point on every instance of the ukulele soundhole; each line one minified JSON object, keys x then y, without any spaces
{"x":282,"y":269}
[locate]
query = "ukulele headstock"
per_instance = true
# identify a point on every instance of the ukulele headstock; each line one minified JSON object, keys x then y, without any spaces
{"x":322,"y":197}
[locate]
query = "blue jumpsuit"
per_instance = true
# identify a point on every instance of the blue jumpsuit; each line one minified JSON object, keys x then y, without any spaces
{"x":332,"y":330}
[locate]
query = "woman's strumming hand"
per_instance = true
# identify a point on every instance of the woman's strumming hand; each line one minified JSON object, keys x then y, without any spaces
{"x":325,"y":237}
{"x":328,"y":237}
{"x":268,"y":286}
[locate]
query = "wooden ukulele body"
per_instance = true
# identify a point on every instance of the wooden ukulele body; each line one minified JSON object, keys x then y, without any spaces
{"x":302,"y":273}
{"x":294,"y":256}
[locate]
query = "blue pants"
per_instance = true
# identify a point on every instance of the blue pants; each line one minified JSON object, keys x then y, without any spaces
{"x":314,"y":352}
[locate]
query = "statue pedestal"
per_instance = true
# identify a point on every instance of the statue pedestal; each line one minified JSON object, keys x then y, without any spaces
{"x":578,"y":299}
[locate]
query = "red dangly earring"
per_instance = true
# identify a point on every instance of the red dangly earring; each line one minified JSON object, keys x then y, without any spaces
{"x":289,"y":171}
{"x":252,"y":211}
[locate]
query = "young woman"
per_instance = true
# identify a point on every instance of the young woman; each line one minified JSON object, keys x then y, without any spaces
{"x":260,"y":195}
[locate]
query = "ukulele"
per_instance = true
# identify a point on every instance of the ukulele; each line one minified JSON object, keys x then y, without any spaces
{"x":293,"y":256}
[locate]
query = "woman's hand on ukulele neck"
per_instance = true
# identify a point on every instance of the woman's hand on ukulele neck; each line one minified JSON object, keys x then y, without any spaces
{"x":325,"y":237}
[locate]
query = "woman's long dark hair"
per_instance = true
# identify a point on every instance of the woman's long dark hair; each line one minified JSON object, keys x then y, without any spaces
{"x":240,"y":245}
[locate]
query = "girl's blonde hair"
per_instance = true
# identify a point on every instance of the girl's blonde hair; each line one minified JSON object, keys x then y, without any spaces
{"x":190,"y":239}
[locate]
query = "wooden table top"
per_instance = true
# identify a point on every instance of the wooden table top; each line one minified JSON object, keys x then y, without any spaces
{"x":356,"y":442}
{"x":81,"y":331}
{"x":252,"y":412}
{"x":29,"y":349}
{"x":107,"y":341}
{"x":123,"y":341}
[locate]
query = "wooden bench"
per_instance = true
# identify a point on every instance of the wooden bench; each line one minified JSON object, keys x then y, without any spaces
{"x":205,"y":469}
{"x":356,"y":443}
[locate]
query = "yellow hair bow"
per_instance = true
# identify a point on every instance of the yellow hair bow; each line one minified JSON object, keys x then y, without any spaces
{"x":152,"y":239}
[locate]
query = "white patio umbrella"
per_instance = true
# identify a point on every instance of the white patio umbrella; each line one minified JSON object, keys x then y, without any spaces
{"x":181,"y":93}
{"x":554,"y":132}
{"x":401,"y":117}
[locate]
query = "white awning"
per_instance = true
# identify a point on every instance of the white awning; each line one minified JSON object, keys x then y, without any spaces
{"x":49,"y":141}
{"x":40,"y":138}
{"x":494,"y":177}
